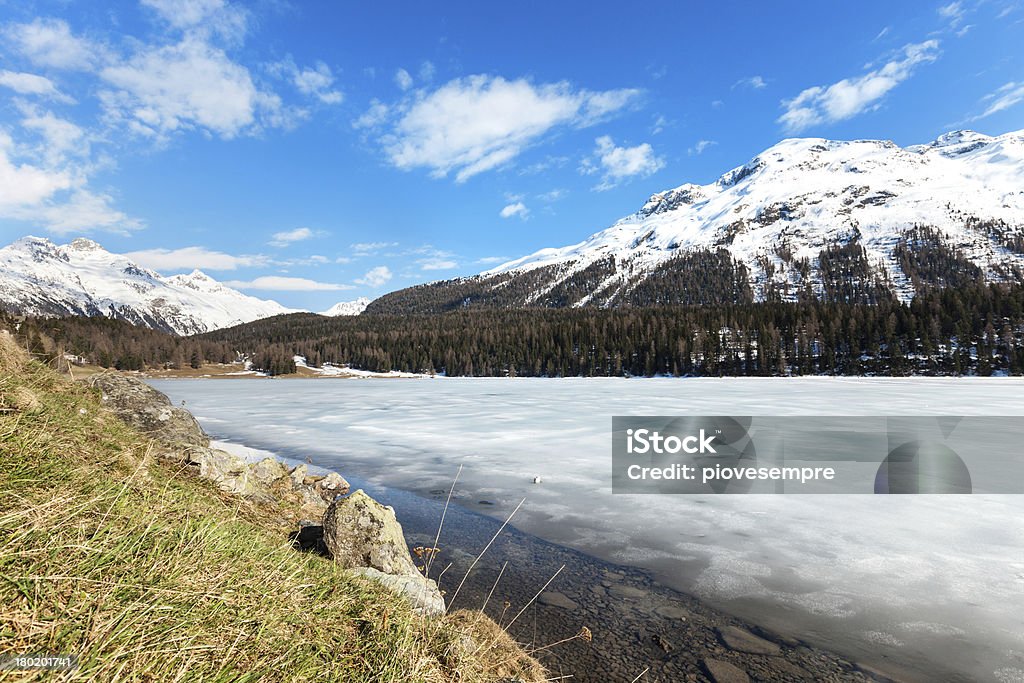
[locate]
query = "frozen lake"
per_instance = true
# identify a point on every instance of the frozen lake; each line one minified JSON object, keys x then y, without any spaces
{"x":910,"y":580}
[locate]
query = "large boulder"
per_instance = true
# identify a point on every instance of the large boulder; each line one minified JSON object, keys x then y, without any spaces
{"x":148,"y":410}
{"x":360,"y":532}
{"x":421,"y":592}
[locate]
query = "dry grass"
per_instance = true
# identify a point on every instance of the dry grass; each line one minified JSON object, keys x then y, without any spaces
{"x":150,"y":574}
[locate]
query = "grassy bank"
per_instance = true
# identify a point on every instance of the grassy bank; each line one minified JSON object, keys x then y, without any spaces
{"x":145,"y":572}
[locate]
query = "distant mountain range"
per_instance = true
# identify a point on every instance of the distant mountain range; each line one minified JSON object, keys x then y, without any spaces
{"x":808,"y":218}
{"x":846,"y":221}
{"x":38,"y":277}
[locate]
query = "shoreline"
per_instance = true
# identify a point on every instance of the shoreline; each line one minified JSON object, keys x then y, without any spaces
{"x":637,"y":621}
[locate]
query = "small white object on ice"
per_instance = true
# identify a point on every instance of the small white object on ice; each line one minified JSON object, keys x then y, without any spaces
{"x":537,"y":480}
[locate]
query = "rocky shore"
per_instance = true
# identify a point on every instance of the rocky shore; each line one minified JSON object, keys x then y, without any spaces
{"x":636,"y":628}
{"x":354,"y":530}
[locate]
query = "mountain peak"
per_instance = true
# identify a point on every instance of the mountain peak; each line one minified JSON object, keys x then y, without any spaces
{"x":84,"y":244}
{"x":348,"y":307}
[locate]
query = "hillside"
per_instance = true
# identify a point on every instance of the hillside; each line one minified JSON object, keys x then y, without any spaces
{"x":845,"y":221}
{"x":114,"y":552}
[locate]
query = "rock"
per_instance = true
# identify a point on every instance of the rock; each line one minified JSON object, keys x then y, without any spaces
{"x":744,"y":641}
{"x":298,"y":475}
{"x":268,"y":470}
{"x":626,"y":592}
{"x":672,"y":612}
{"x":230,"y":472}
{"x":775,"y":637}
{"x":148,"y":410}
{"x":724,"y":672}
{"x":555,"y":599}
{"x":331,"y":486}
{"x":422,"y":593}
{"x":360,"y":532}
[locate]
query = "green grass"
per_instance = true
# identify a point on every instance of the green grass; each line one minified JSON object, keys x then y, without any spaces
{"x":146,"y":572}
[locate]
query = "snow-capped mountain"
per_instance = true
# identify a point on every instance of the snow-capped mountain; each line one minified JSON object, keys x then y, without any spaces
{"x":38,"y":277}
{"x":807,"y":217}
{"x":348,"y":307}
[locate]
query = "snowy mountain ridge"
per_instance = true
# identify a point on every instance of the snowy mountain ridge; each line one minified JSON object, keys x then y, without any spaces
{"x":38,"y":277}
{"x":788,"y":224}
{"x":354,"y":307}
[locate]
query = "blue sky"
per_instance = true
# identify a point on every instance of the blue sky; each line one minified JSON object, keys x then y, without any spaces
{"x":312,"y":152}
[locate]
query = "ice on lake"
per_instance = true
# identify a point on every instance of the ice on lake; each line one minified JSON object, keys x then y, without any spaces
{"x":903,"y":579}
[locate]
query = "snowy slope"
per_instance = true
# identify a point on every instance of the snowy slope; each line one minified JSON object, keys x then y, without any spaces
{"x":348,"y":307}
{"x":39,"y":277}
{"x":807,"y":193}
{"x":777,"y":218}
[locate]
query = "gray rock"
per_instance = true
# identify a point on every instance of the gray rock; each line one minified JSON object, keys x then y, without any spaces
{"x":555,"y":599}
{"x":230,"y":472}
{"x":744,"y":641}
{"x":422,"y":593}
{"x":148,"y":410}
{"x":360,"y":532}
{"x":626,"y":592}
{"x":268,"y":470}
{"x":332,"y":486}
{"x":724,"y":672}
{"x":298,"y":475}
{"x":672,"y":612}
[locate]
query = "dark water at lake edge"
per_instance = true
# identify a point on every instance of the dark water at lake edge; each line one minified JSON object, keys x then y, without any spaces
{"x":638,"y":624}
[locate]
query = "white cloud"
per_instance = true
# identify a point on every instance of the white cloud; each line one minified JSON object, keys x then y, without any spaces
{"x":314,"y":81}
{"x":366,"y":248}
{"x":491,"y":260}
{"x":53,"y":197}
{"x":49,"y":42}
{"x":189,"y":258}
{"x":375,"y":277}
{"x":515,"y":209}
{"x":701,"y":146}
{"x":438,"y":264}
{"x":852,"y":96}
{"x":25,"y":185}
{"x":434,"y":259}
{"x":1003,"y":98}
{"x":755,"y":82}
{"x":287,"y":237}
{"x":374,"y":116}
{"x":403,"y":80}
{"x":60,"y":138}
{"x":204,"y":15}
{"x":188,"y":85}
{"x":427,"y":71}
{"x":617,"y":164}
{"x":280,"y":283}
{"x":953,"y":12}
{"x":474,"y":124}
{"x":32,"y":84}
{"x":553,"y":195}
